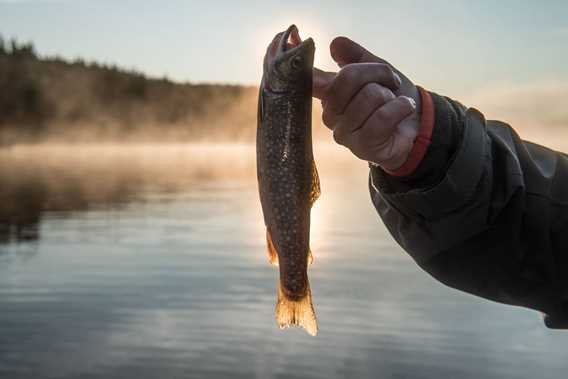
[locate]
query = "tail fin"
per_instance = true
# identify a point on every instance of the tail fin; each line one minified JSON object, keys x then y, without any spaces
{"x":296,"y":312}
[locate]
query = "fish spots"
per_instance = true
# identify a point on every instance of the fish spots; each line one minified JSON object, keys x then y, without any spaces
{"x":285,"y":159}
{"x":293,"y":268}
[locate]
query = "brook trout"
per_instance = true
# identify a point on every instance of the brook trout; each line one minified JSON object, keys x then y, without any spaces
{"x":287,"y":176}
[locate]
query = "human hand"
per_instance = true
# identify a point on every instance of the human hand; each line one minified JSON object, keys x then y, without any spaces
{"x":372,"y":108}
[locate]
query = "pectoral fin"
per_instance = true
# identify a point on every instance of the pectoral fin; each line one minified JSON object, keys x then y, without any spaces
{"x":316,"y":190}
{"x":272,"y":253}
{"x":260,"y":115}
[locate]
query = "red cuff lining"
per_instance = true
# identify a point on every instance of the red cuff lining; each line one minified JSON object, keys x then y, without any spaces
{"x":423,"y":139}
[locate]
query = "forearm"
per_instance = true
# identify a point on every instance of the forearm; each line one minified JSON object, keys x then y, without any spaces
{"x":481,"y":213}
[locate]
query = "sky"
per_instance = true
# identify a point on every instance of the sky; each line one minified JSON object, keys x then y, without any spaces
{"x":457,"y":48}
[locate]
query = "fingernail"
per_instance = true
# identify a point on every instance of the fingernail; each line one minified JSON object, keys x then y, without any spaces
{"x":397,"y":79}
{"x":411,"y":101}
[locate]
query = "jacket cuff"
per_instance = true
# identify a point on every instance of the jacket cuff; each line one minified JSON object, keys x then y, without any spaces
{"x":457,"y":183}
{"x":423,"y":139}
{"x":446,"y":133}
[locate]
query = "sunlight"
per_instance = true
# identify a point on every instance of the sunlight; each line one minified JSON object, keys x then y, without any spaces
{"x":307,"y":28}
{"x":257,"y":230}
{"x":317,"y":231}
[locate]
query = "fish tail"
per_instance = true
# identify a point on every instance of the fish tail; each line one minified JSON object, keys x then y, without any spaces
{"x":296,"y":312}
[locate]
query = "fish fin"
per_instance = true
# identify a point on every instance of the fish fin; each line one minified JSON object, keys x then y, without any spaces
{"x":272,"y":253}
{"x":310,"y":257}
{"x":260,"y":116}
{"x":296,"y":312}
{"x":316,"y":190}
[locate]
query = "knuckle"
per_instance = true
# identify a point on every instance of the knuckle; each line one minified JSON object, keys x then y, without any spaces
{"x":374,"y":94}
{"x":327,"y":119}
{"x":383,"y":68}
{"x":370,"y":92}
{"x":330,"y":100}
{"x":409,"y":104}
{"x":381,"y":115}
{"x":337,"y":139}
{"x":387,"y":72}
{"x":402,"y":108}
{"x":387,"y":94}
{"x":342,"y":135}
{"x":348,"y":74}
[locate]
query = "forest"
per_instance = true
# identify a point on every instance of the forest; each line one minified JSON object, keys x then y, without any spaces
{"x":54,"y":99}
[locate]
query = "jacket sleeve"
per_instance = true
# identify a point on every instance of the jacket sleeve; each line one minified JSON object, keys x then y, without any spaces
{"x":484,"y":212}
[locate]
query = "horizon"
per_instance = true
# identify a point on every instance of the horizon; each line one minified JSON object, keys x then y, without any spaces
{"x":505,"y":59}
{"x":101,"y":64}
{"x":145,"y":37}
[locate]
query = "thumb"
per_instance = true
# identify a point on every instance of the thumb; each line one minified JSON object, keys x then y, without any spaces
{"x":345,"y":51}
{"x":321,"y":81}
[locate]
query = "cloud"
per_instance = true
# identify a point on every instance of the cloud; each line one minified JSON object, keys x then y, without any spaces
{"x":538,"y":111}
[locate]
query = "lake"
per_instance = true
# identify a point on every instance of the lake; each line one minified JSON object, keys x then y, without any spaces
{"x":150,"y":262}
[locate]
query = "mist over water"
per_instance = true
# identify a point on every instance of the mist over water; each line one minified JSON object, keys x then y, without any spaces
{"x":149,"y":261}
{"x":132,"y":243}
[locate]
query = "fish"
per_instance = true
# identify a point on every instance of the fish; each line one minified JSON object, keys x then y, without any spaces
{"x":288,"y":180}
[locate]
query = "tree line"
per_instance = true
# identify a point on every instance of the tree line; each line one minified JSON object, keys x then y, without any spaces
{"x":51,"y":97}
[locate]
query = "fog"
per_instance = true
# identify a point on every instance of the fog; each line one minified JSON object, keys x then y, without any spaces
{"x":537,"y":111}
{"x":65,"y":178}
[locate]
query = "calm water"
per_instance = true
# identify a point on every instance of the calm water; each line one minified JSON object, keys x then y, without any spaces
{"x":146,"y":262}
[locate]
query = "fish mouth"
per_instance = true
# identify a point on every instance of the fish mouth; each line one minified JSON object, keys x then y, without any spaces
{"x":291,"y":40}
{"x":287,"y":43}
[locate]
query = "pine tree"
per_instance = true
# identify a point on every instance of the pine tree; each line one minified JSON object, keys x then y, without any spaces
{"x":13,"y":47}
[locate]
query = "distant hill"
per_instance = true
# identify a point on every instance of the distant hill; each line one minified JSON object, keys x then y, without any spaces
{"x":54,"y":99}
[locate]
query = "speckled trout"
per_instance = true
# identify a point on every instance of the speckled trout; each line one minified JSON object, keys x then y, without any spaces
{"x":287,"y":177}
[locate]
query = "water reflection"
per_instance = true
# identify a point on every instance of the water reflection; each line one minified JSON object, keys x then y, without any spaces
{"x":151,"y":263}
{"x":64,"y":179}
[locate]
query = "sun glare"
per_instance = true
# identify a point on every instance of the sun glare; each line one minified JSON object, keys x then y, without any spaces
{"x":317,"y":230}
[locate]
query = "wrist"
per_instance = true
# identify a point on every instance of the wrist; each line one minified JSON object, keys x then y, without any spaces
{"x":421,"y":141}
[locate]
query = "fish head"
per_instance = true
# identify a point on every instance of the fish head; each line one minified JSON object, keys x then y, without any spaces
{"x":288,"y":62}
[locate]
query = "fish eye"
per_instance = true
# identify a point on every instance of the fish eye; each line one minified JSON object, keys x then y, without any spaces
{"x":297,"y":62}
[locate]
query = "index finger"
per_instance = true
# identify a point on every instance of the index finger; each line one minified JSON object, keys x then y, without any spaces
{"x":321,"y":81}
{"x":355,"y":76}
